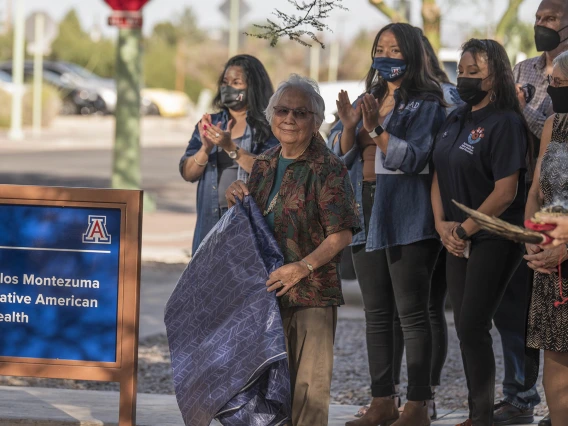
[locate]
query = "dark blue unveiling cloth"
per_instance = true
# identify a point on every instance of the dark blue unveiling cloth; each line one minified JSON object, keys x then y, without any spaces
{"x":225,"y":331}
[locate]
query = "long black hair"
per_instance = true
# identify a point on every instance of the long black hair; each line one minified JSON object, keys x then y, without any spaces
{"x":418,"y":82}
{"x":259,"y":90}
{"x":432,"y":59}
{"x":504,"y":96}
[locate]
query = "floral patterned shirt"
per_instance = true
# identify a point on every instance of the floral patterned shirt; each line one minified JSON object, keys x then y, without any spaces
{"x":316,"y":200}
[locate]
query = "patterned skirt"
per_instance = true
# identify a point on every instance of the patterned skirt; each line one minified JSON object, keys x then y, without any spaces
{"x":547,"y":324}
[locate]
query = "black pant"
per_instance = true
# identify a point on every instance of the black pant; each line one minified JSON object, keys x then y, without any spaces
{"x":391,"y":280}
{"x":476,"y":287}
{"x":521,"y":363}
{"x":436,"y":308}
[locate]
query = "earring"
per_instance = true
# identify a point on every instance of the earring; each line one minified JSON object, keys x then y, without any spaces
{"x":493,"y":97}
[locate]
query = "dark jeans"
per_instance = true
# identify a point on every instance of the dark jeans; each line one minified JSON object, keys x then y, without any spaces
{"x":436,"y":308}
{"x":397,"y":279}
{"x":476,"y":287}
{"x":510,"y":320}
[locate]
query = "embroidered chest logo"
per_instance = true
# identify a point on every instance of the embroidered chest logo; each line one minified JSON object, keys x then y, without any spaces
{"x":97,"y":231}
{"x":410,"y":107}
{"x":474,"y":137}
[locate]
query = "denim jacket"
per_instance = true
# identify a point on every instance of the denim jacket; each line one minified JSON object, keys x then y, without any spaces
{"x":402,"y":211}
{"x":207,"y":195}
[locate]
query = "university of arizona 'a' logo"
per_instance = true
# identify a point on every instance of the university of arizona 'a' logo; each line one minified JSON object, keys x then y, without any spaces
{"x":476,"y":135}
{"x":395,"y":71}
{"x":97,"y":231}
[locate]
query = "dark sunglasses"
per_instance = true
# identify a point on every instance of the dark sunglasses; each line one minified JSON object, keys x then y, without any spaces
{"x":298,"y":113}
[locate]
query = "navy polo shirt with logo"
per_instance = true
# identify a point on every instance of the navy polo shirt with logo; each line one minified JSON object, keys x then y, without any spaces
{"x":473,"y":150}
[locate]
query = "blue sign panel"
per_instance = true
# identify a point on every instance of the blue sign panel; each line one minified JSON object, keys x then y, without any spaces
{"x":59,"y":269}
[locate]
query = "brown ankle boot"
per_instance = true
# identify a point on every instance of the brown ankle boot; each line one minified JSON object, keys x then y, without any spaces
{"x":415,"y":414}
{"x":382,"y":412}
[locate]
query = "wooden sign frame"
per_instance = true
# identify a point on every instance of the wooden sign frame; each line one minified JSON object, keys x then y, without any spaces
{"x":124,"y":369}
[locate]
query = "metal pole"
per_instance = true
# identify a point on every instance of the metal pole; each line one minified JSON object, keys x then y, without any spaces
{"x":333,"y":60}
{"x":126,"y":160}
{"x":16,"y":132}
{"x":314,"y":62}
{"x":489,"y":19}
{"x":8,"y":17}
{"x":234,"y":28}
{"x":38,"y":72}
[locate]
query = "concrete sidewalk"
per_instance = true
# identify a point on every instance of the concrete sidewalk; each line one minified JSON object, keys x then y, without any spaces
{"x":167,"y":236}
{"x":98,"y":132}
{"x":59,"y":407}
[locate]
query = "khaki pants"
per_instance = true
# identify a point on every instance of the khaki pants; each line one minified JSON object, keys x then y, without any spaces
{"x":310,"y":333}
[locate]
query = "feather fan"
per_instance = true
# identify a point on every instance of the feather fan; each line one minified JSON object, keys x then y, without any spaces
{"x":502,"y":228}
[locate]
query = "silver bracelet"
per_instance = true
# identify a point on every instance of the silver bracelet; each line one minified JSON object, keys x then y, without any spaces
{"x":197,"y":162}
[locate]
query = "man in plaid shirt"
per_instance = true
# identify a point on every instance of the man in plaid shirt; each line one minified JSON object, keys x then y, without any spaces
{"x":535,"y":71}
{"x":552,"y":15}
{"x":551,"y":38}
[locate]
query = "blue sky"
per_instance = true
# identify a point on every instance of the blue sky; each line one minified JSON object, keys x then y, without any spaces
{"x":360,"y":15}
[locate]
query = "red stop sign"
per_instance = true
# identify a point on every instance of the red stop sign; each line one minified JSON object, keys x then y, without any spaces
{"x":126,"y":5}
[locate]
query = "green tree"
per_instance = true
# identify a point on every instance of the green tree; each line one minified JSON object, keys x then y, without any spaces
{"x":166,"y":32}
{"x":432,"y":23}
{"x":508,"y":20}
{"x":302,"y":29}
{"x":281,"y":60}
{"x":6,"y":46}
{"x":171,"y":51}
{"x":391,"y":13}
{"x":159,"y":63}
{"x":356,"y":60}
{"x":73,"y":44}
{"x":432,"y":17}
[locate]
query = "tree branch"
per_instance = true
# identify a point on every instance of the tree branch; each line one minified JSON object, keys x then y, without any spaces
{"x":508,"y":18}
{"x":389,"y":12}
{"x":314,"y":12}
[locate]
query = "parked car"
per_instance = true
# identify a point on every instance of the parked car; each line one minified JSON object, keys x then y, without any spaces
{"x":75,"y":99}
{"x":166,"y":103}
{"x":78,"y":76}
{"x":84,"y":92}
{"x":449,"y":59}
{"x":6,"y":83}
{"x":329,"y":92}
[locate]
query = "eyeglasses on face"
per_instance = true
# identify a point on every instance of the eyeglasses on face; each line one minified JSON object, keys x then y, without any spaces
{"x":298,"y":113}
{"x":557,"y":82}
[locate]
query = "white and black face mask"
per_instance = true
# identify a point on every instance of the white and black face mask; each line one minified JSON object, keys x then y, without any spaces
{"x":232,"y":98}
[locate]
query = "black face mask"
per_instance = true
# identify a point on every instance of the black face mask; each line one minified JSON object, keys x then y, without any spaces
{"x":546,"y":39}
{"x":232,"y":98}
{"x":559,"y":97}
{"x":470,"y":90}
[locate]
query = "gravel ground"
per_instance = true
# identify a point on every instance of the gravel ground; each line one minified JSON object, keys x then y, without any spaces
{"x":350,"y":377}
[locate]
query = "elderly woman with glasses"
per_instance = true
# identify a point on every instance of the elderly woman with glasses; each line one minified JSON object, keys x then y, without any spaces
{"x":307,"y":199}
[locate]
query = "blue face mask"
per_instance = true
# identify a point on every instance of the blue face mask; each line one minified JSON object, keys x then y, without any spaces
{"x":390,"y":69}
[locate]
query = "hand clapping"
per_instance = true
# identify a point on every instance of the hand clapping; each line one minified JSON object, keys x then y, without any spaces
{"x":370,"y":107}
{"x":348,"y":115}
{"x":213,"y":134}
